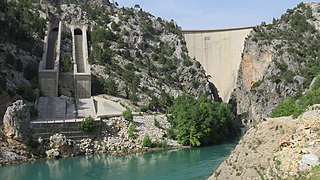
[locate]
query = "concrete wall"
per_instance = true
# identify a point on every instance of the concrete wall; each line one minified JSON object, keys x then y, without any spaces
{"x":83,"y":79}
{"x":219,"y":52}
{"x":82,"y":86}
{"x":48,"y":78}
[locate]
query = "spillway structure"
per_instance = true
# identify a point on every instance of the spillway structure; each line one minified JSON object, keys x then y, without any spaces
{"x":48,"y":72}
{"x":81,"y":70}
{"x":50,"y":77}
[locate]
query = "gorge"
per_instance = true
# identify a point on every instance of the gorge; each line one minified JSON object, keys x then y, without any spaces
{"x":83,"y":78}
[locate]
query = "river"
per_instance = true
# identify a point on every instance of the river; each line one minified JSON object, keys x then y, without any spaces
{"x":195,"y":163}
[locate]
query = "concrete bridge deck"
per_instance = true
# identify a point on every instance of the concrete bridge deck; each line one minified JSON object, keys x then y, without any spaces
{"x":63,"y":109}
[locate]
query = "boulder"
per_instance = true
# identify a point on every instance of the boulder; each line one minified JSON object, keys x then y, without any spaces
{"x":308,"y":160}
{"x":61,"y":146}
{"x":53,"y":153}
{"x":16,"y":121}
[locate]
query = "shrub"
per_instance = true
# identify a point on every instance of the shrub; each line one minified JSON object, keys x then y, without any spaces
{"x":87,"y":125}
{"x":131,"y":130}
{"x":295,"y":107}
{"x":2,"y":81}
{"x":19,"y":65}
{"x":157,"y":124}
{"x":256,"y":84}
{"x":127,"y":115}
{"x":31,"y":71}
{"x":146,"y":142}
{"x":31,"y":143}
{"x":171,"y":134}
{"x":143,"y":108}
{"x":27,"y":93}
{"x":287,"y":108}
{"x":33,"y":112}
{"x":66,"y":62}
{"x":160,"y":144}
{"x":111,"y":87}
{"x":10,"y":59}
{"x":187,"y":63}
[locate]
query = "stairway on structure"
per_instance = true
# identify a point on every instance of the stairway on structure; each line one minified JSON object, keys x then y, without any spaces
{"x":70,"y":129}
{"x":62,"y":115}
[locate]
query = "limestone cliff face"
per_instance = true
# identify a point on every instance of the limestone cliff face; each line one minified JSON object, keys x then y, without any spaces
{"x":277,"y":148}
{"x":20,"y":51}
{"x":279,"y":60}
{"x":136,"y":55}
{"x":16,"y":121}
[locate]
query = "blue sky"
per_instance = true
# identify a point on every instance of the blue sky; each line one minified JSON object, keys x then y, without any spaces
{"x":213,"y":14}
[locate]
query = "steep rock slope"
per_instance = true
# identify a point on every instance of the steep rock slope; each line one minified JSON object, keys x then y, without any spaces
{"x":278,"y":148}
{"x":22,"y":30}
{"x":136,"y":55}
{"x":279,"y":60}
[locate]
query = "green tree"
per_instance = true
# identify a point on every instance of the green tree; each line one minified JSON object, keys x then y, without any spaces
{"x":111,"y":87}
{"x":201,"y":122}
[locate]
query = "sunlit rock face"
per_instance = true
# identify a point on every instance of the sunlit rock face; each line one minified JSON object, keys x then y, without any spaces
{"x":16,"y":121}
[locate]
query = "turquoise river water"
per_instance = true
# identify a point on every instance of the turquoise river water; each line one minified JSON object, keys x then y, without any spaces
{"x":195,"y":163}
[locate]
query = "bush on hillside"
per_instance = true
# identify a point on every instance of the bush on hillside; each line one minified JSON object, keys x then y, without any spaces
{"x":127,"y":115}
{"x":296,"y":106}
{"x":132,"y":130}
{"x":87,"y":125}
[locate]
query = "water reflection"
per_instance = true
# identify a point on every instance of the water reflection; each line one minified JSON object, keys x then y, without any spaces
{"x":172,"y":164}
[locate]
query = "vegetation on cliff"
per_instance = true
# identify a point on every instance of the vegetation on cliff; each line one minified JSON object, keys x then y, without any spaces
{"x":297,"y":105}
{"x":22,"y":32}
{"x":22,"y":25}
{"x":299,"y":38}
{"x":198,"y":122}
{"x":139,"y":57}
{"x":285,"y":57}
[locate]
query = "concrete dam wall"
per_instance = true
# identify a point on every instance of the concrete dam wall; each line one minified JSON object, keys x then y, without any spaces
{"x":219,"y":52}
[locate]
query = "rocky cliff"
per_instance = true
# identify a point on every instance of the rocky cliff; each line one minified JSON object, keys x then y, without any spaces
{"x":133,"y":54}
{"x":136,"y":55}
{"x":279,"y":60}
{"x":16,"y":121}
{"x":278,"y":148}
{"x":22,"y":31}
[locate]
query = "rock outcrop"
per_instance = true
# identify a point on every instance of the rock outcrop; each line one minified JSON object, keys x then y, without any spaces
{"x":16,"y":121}
{"x":278,"y":148}
{"x":279,"y":60}
{"x":61,"y":146}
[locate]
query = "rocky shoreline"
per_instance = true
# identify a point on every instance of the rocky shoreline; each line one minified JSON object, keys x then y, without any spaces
{"x":17,"y":143}
{"x":14,"y":156}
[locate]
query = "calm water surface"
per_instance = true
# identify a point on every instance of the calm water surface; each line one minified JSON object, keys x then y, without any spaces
{"x":196,"y":163}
